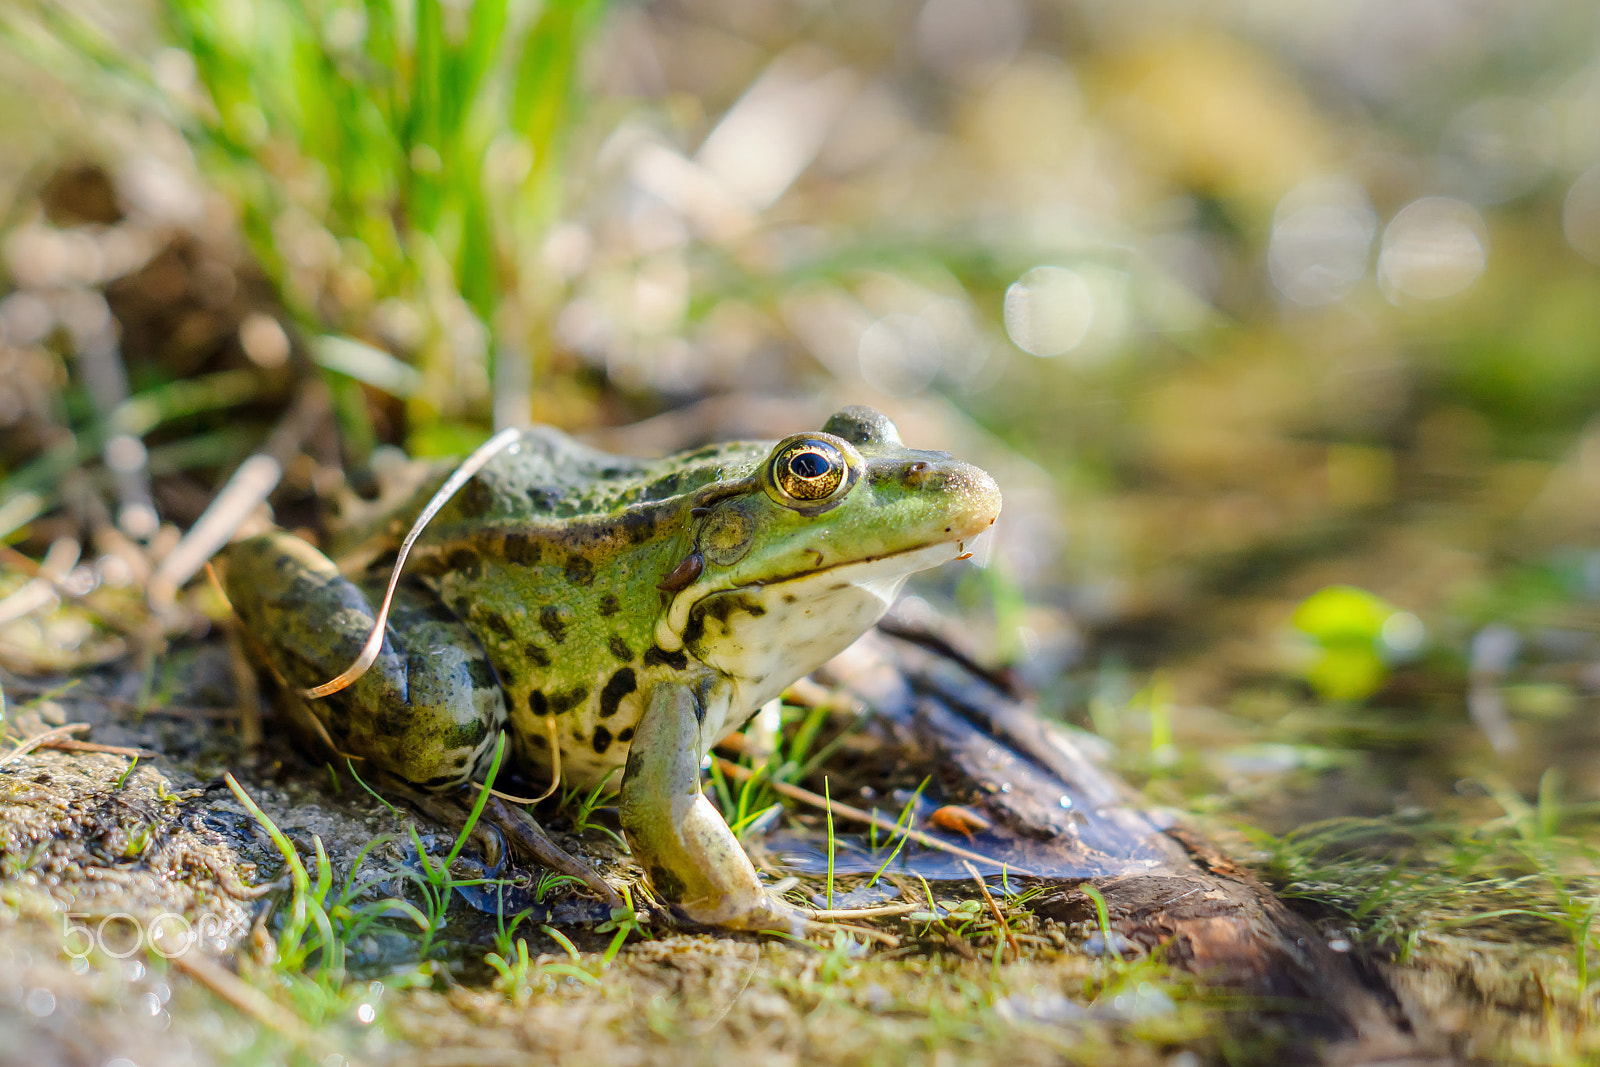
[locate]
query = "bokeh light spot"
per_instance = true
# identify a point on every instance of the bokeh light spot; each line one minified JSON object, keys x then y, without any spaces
{"x":900,"y":354}
{"x":1580,"y":215}
{"x":1435,"y":247}
{"x":1321,"y":239}
{"x":1049,"y":311}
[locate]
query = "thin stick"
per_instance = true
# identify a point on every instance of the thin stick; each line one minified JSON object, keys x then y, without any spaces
{"x":806,"y":796}
{"x":244,"y":996}
{"x":883,"y":911}
{"x":883,"y":937}
{"x":245,"y":490}
{"x":45,"y":738}
{"x":67,"y":745}
{"x":1011,"y":939}
{"x":369,"y":652}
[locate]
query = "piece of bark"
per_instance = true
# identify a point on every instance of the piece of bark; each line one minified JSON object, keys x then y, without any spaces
{"x":1059,"y":812}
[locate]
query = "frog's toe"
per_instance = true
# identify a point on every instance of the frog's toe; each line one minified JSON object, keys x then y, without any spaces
{"x":530,"y":841}
{"x":760,"y":912}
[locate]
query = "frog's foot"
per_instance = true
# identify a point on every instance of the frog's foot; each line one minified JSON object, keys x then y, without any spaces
{"x":526,"y":837}
{"x":685,"y":847}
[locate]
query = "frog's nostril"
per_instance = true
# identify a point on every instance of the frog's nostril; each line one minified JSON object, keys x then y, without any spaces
{"x":916,"y":475}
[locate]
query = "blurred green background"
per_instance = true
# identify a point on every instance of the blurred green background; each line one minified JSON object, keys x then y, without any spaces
{"x":1279,"y":324}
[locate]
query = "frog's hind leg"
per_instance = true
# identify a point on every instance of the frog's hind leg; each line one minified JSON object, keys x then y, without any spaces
{"x":430,"y":707}
{"x":428,"y":712}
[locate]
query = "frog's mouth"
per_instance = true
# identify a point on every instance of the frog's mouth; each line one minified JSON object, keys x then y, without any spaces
{"x":870,"y":584}
{"x":905,"y":562}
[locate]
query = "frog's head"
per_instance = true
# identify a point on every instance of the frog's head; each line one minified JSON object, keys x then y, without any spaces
{"x":801,"y":556}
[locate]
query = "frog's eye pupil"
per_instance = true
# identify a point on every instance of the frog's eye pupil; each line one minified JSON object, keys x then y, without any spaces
{"x":808,"y":471}
{"x":809,"y":465}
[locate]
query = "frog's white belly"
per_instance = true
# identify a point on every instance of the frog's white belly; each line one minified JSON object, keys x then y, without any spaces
{"x":804,"y":622}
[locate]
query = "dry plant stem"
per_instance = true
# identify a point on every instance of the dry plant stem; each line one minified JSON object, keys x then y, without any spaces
{"x":12,"y":558}
{"x":1011,"y":939}
{"x":245,"y":491}
{"x":555,"y":770}
{"x":369,"y":652}
{"x":63,"y":744}
{"x":44,"y":586}
{"x":246,"y":997}
{"x":45,"y":738}
{"x":821,"y":803}
{"x":883,"y":937}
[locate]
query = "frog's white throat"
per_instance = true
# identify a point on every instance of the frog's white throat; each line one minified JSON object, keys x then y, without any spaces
{"x":764,"y":637}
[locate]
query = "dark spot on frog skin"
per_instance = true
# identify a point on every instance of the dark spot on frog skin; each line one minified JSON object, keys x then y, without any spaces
{"x":722,"y":608}
{"x":602,"y":740}
{"x":466,"y":736}
{"x":579,"y":570}
{"x":554,"y":621}
{"x":658,"y":658}
{"x":664,"y":487}
{"x":610,"y":605}
{"x":625,"y":736}
{"x":439,"y":781}
{"x":790,"y":598}
{"x":542,"y":499}
{"x":561,"y":703}
{"x":639,"y":524}
{"x":463,"y":561}
{"x":538,"y":704}
{"x":536,"y":654}
{"x":620,"y":649}
{"x":480,"y":673}
{"x":620,"y":685}
{"x":521,"y":548}
{"x":497,"y":622}
{"x":474,"y":500}
{"x":696,"y":629}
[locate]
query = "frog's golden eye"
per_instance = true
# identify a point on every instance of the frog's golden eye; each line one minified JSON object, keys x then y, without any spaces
{"x":808,"y":471}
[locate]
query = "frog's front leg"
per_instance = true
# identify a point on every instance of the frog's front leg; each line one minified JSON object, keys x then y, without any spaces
{"x":684,"y":845}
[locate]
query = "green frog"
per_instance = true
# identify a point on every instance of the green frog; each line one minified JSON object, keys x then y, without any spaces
{"x":605,"y":612}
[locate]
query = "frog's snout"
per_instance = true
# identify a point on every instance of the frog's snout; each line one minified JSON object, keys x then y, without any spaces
{"x":969,"y":499}
{"x":976,"y":499}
